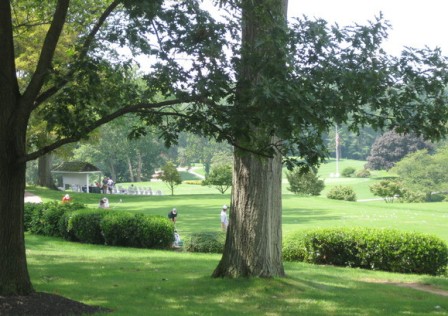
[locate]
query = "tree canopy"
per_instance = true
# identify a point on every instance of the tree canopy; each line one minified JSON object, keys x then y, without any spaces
{"x":391,"y":147}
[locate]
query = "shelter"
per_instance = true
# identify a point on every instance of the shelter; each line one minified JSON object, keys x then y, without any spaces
{"x":76,"y":174}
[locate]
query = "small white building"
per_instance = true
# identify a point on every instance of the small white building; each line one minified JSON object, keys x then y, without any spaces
{"x":78,"y":175}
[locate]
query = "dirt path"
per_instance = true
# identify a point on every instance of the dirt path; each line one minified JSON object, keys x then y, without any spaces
{"x":32,"y":198}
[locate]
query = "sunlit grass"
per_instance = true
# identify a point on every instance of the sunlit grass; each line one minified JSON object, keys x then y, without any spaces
{"x":149,"y":282}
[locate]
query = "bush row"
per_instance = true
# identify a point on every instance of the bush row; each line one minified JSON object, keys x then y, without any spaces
{"x":376,"y":249}
{"x":75,"y":222}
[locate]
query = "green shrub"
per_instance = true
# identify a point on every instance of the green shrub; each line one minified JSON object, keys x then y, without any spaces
{"x":410,"y":196}
{"x":209,"y":242}
{"x":137,"y":230}
{"x":32,"y":217}
{"x":304,"y":183}
{"x":342,"y":192}
{"x":85,"y":226}
{"x":363,"y":173}
{"x":348,"y":172}
{"x":387,"y":189}
{"x":376,"y":249}
{"x":43,"y":218}
{"x":66,"y":228}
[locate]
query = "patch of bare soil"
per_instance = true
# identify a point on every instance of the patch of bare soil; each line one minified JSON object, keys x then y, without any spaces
{"x":416,"y":286}
{"x":44,"y":304}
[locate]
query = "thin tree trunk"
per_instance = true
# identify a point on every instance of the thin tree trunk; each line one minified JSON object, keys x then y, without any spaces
{"x":131,"y":171}
{"x":139,"y":167}
{"x":113,"y":173}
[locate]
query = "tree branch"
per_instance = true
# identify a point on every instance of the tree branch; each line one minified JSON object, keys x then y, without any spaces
{"x":108,"y":118}
{"x":83,"y":52}
{"x":46,"y":54}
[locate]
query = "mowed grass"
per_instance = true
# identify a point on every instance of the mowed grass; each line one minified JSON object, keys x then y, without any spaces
{"x":151,"y":282}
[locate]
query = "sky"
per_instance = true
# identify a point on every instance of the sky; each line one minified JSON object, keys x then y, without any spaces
{"x":414,"y":23}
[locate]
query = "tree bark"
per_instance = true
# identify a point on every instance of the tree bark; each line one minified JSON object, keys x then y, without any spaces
{"x":131,"y":171}
{"x":44,"y":172}
{"x":254,"y":238}
{"x":139,"y":166}
{"x":14,"y":277}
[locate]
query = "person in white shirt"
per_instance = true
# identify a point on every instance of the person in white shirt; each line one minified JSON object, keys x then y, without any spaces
{"x":224,"y":218}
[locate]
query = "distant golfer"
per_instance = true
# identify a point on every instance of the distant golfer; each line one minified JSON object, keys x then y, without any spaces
{"x":172,"y":215}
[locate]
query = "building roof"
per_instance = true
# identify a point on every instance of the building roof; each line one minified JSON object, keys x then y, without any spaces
{"x":76,"y":166}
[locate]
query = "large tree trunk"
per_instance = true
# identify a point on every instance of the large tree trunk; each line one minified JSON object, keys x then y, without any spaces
{"x":254,"y":238}
{"x":14,"y":277}
{"x":44,"y":172}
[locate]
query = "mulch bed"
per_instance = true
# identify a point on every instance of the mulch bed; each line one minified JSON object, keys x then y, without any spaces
{"x":44,"y":304}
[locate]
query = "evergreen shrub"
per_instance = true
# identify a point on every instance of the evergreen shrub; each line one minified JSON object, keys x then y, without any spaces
{"x":208,"y":242}
{"x":342,"y":192}
{"x":368,"y":248}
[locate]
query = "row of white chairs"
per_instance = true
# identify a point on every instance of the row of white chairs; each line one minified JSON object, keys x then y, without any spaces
{"x":134,"y":190}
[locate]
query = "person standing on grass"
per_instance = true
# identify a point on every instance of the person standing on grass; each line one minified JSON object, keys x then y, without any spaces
{"x":224,"y":219}
{"x":172,"y":215}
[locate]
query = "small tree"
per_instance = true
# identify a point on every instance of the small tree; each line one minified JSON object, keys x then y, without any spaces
{"x":387,"y":189}
{"x":220,"y":177}
{"x":304,"y":183}
{"x":171,"y":176}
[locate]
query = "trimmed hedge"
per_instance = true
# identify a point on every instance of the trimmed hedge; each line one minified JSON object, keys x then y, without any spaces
{"x":137,"y":230}
{"x":208,"y":242}
{"x":74,"y":222}
{"x":43,"y":218}
{"x":85,"y":225}
{"x":368,"y":248}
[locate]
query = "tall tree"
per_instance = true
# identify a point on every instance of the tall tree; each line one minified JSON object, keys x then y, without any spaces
{"x":292,"y":90}
{"x":254,"y":239}
{"x":88,"y":88}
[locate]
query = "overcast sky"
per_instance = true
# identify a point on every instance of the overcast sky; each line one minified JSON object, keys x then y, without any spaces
{"x":414,"y":23}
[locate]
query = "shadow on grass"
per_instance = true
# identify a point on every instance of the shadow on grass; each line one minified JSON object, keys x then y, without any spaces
{"x":142,"y":282}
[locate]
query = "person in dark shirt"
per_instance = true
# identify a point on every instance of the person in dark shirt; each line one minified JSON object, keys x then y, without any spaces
{"x":172,"y":215}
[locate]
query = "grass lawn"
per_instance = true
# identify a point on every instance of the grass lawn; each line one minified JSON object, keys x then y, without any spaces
{"x":149,"y":282}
